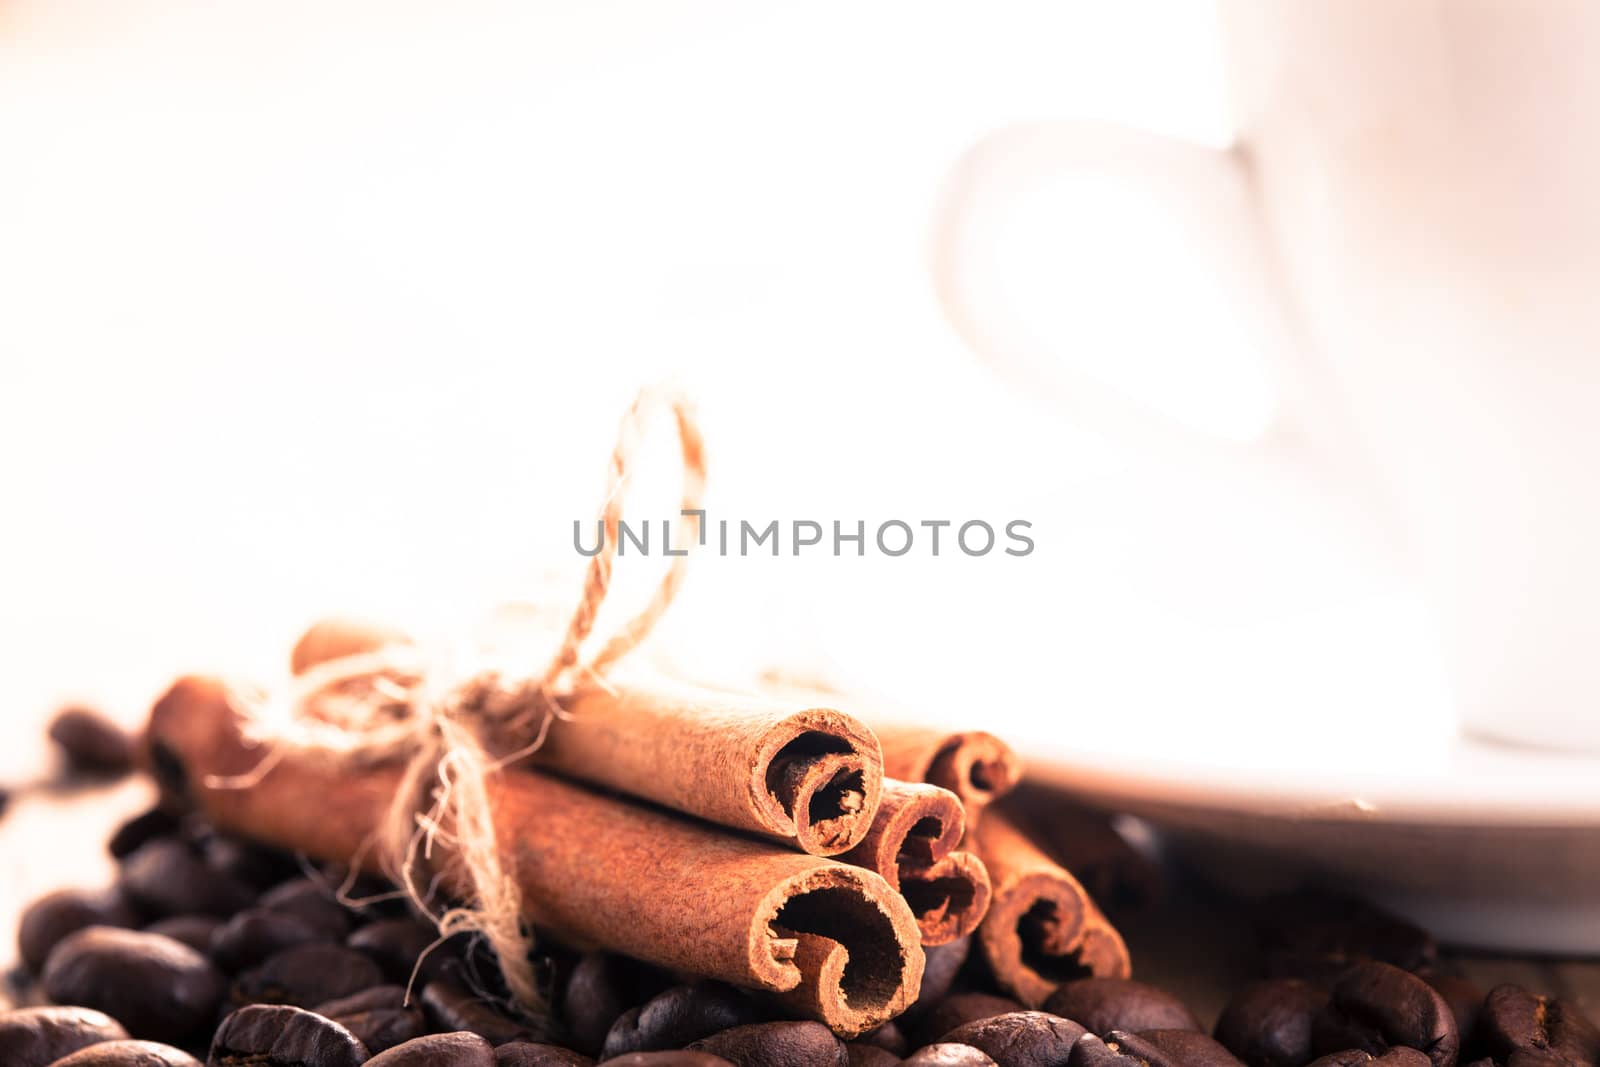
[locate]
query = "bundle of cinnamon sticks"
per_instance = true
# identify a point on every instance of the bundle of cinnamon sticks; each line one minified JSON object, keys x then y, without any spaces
{"x":778,"y":844}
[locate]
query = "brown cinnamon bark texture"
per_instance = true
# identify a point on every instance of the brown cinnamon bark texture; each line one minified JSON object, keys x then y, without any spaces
{"x":830,"y":941}
{"x":803,"y":773}
{"x":1085,"y":842}
{"x":912,"y":846}
{"x":978,"y":767}
{"x":1042,"y":929}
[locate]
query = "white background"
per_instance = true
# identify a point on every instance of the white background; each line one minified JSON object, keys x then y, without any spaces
{"x":311,"y":307}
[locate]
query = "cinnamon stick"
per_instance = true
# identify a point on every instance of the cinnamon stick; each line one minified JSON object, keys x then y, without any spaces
{"x":976,"y":766}
{"x":1043,"y":929}
{"x":1087,"y":842}
{"x":912,"y":846}
{"x":828,"y":940}
{"x":799,"y":772}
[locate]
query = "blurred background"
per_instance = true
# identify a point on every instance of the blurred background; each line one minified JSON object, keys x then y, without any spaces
{"x":334,"y":307}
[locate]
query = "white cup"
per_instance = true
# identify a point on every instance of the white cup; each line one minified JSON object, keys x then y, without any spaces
{"x":1411,"y":216}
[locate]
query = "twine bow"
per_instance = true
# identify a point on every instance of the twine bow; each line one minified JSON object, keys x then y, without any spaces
{"x":390,"y":705}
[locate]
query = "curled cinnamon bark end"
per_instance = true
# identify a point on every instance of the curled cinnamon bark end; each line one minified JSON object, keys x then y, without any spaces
{"x":976,"y":766}
{"x":949,"y":898}
{"x":1043,"y":929}
{"x":847,"y":948}
{"x":911,"y":845}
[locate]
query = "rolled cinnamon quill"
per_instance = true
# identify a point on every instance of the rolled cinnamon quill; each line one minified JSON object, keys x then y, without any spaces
{"x":798,"y":772}
{"x":830,"y":941}
{"x":1042,"y":929}
{"x":976,"y":766}
{"x":912,"y":846}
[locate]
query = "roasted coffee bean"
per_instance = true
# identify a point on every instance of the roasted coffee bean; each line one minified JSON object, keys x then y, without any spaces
{"x":449,"y":1006}
{"x":1268,"y":1023}
{"x":1376,"y":1006}
{"x":1465,"y":998}
{"x":283,"y":1036}
{"x":1191,"y":1048}
{"x":312,"y":901}
{"x":257,"y":933}
{"x":378,"y":1016}
{"x":1315,"y":936}
{"x":91,"y":742}
{"x":164,"y":877}
{"x":955,"y":1010}
{"x":784,"y":1044}
{"x":942,"y":964}
{"x":66,"y":911}
{"x":457,"y":1049}
{"x":36,"y":1037}
{"x":1515,"y":1020}
{"x":669,"y":1058}
{"x":1101,"y":1005}
{"x":677,"y":1017}
{"x":141,"y":829}
{"x":307,"y":975}
{"x":156,"y":987}
{"x":1020,"y":1038}
{"x":396,"y":944}
{"x":129,"y":1054}
{"x":193,"y":930}
{"x":244,"y":862}
{"x":1091,"y":1051}
{"x":600,"y":987}
{"x":533,"y":1054}
{"x":948,"y":1055}
{"x":1395,"y":1057}
{"x":887,"y":1037}
{"x":869,"y":1055}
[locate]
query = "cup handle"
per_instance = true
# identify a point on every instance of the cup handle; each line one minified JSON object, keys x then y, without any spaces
{"x":1207,"y":193}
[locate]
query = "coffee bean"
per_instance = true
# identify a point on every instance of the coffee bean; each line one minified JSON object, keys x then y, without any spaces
{"x":1268,"y":1023}
{"x":164,"y":877}
{"x":677,"y":1017}
{"x":141,"y":829}
{"x":600,"y":987}
{"x":312,"y":901}
{"x":669,"y":1058}
{"x":1376,"y":1006}
{"x":1101,"y":1005}
{"x":955,"y":1010}
{"x":307,"y":975}
{"x":533,"y":1054}
{"x":395,"y":944}
{"x":1395,"y":1057}
{"x":1091,"y":1051}
{"x":1191,"y":1048}
{"x":66,"y":911}
{"x":458,"y":1049}
{"x":1020,"y":1038}
{"x":91,"y":742}
{"x":257,"y":933}
{"x":1465,"y":997}
{"x":379,"y":1017}
{"x":129,"y":1054}
{"x":283,"y":1036}
{"x":1315,"y":936}
{"x":246,"y":863}
{"x":943,"y":1055}
{"x":449,"y":1006}
{"x":942,"y":964}
{"x":35,"y":1037}
{"x":782,"y":1044}
{"x":193,"y":930}
{"x":1515,"y":1020}
{"x":156,"y":987}
{"x":887,"y":1037}
{"x":861,"y":1055}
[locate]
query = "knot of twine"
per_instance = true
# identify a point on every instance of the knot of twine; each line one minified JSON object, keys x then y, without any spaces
{"x":388,"y":706}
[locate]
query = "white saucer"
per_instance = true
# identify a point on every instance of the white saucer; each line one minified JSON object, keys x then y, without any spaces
{"x":1486,"y":845}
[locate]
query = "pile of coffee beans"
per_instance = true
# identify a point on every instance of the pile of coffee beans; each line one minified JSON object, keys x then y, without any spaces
{"x":209,"y":949}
